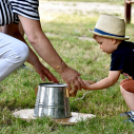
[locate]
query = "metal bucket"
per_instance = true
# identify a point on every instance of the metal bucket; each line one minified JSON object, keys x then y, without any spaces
{"x":52,"y":101}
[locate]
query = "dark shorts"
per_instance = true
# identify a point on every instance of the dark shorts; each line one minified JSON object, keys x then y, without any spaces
{"x":128,"y":85}
{"x":10,"y":9}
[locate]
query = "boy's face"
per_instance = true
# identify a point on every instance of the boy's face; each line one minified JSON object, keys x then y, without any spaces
{"x":106,"y":44}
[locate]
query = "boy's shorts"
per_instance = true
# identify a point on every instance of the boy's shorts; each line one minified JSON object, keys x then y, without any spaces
{"x":128,"y":85}
{"x":10,"y":9}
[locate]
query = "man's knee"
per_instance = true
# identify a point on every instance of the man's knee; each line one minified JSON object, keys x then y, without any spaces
{"x":21,"y":54}
{"x":24,"y":52}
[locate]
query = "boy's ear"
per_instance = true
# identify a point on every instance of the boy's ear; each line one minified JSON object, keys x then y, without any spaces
{"x":114,"y":41}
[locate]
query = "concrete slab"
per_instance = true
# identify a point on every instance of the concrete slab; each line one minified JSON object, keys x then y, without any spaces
{"x":27,"y":114}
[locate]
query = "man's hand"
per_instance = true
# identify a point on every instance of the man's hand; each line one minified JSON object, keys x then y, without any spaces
{"x":72,"y":78}
{"x":44,"y":72}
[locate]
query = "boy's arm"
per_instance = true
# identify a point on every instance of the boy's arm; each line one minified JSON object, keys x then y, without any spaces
{"x":104,"y":83}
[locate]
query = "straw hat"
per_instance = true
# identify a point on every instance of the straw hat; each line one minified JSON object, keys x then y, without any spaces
{"x":111,"y":27}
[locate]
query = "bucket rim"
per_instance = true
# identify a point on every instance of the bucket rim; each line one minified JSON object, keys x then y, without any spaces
{"x":53,"y":84}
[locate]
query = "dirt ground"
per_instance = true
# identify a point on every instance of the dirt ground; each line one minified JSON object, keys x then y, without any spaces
{"x":79,"y":7}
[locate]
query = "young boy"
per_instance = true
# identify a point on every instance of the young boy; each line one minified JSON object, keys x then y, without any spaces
{"x":109,"y":32}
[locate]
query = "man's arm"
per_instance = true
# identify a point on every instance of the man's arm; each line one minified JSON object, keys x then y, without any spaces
{"x":13,"y":30}
{"x":47,"y":52}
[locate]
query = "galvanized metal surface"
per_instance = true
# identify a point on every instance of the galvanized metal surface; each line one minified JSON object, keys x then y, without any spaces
{"x":52,"y":100}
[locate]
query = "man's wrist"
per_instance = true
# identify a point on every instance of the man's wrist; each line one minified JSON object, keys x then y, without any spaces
{"x":61,"y":68}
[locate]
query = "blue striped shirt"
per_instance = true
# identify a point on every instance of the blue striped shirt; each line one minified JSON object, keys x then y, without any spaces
{"x":10,"y":9}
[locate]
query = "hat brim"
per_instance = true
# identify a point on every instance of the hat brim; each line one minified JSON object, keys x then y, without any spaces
{"x":114,"y":37}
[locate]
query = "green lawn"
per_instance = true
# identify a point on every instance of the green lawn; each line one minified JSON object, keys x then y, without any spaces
{"x":17,"y":90}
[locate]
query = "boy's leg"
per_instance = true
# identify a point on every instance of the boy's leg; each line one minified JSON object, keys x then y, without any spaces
{"x":128,"y":97}
{"x":13,"y":54}
{"x":127,"y":91}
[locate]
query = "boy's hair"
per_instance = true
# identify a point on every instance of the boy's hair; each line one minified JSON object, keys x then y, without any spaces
{"x":94,"y":36}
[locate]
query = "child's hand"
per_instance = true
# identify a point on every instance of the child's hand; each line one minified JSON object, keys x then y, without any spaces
{"x":87,"y":84}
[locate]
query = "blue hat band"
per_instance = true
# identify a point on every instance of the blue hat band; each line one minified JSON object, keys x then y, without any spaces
{"x":105,"y":33}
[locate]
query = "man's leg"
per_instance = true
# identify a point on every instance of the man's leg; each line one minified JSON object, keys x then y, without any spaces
{"x":14,"y":30}
{"x":13,"y":54}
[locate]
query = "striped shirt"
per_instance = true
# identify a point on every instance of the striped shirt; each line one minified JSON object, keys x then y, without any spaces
{"x":10,"y":9}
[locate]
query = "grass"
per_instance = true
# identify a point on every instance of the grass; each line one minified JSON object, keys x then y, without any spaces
{"x":17,"y":90}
